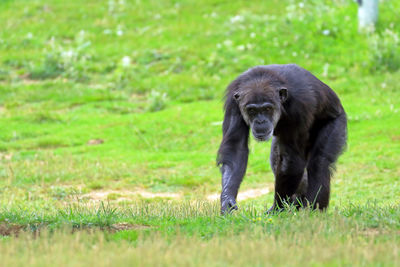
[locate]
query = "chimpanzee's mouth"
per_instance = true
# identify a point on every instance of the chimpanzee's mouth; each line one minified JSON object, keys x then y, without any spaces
{"x":262,"y":136}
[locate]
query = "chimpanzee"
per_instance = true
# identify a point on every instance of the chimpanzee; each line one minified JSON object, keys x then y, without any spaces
{"x":307,"y":124}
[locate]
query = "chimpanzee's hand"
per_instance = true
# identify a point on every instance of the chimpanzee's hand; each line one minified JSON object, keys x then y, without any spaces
{"x":228,"y":204}
{"x":274,"y":209}
{"x":271,"y":209}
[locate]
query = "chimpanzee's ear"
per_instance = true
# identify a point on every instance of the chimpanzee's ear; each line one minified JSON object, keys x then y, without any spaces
{"x":236,"y":96}
{"x":283,"y":94}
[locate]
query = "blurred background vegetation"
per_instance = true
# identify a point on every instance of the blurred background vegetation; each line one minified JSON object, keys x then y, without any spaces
{"x":117,"y":100}
{"x":127,"y":95}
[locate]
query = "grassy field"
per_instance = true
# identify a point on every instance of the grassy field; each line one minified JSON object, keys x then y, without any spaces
{"x":110,"y":119}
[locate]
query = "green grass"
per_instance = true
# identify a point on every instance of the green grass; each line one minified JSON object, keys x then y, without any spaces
{"x":167,"y":234}
{"x":126,"y":96}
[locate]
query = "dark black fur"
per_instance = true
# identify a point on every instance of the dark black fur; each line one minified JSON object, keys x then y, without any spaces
{"x":308,"y":125}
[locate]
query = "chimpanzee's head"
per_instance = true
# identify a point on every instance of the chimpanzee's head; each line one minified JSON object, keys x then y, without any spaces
{"x":260,"y":102}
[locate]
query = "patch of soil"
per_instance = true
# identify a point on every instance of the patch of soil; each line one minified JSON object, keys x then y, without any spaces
{"x":7,"y":229}
{"x":147,"y":194}
{"x":10,"y":229}
{"x":6,"y":156}
{"x":243,"y":195}
{"x":93,"y":142}
{"x":373,"y":232}
{"x":124,"y":195}
{"x":127,"y":226}
{"x":396,"y":138}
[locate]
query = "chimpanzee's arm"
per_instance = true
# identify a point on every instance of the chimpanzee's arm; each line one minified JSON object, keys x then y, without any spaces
{"x":232,"y":176}
{"x":232,"y":154}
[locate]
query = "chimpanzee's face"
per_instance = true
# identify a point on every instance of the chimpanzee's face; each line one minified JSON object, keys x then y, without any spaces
{"x":261,"y":109}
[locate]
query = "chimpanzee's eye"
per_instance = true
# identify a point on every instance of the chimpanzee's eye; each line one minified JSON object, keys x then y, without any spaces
{"x":251,"y":111}
{"x":268,"y":109}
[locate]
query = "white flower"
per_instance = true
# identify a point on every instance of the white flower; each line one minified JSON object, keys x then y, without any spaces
{"x":29,"y":35}
{"x":126,"y":61}
{"x":252,"y":35}
{"x":301,"y":4}
{"x":241,"y":47}
{"x":237,"y":18}
{"x":228,"y":42}
{"x":107,"y":31}
{"x":326,"y":32}
{"x":120,"y":32}
{"x":67,"y":54}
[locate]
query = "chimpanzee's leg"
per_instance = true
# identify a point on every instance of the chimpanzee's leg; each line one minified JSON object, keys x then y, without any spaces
{"x":328,"y":145}
{"x":288,"y":167}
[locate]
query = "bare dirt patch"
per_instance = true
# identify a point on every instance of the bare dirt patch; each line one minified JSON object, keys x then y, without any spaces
{"x":7,"y":229}
{"x":93,"y":142}
{"x":124,"y":195}
{"x":246,"y":194}
{"x":127,"y":226}
{"x":6,"y":156}
{"x":374,"y":232}
{"x":127,"y":195}
{"x":10,"y":229}
{"x":396,"y":138}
